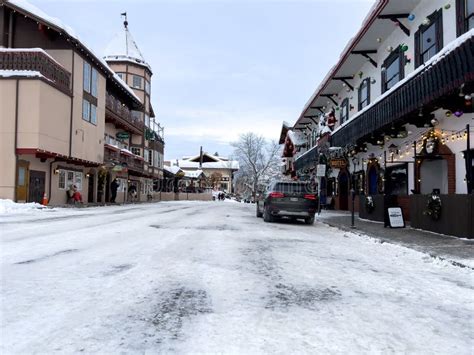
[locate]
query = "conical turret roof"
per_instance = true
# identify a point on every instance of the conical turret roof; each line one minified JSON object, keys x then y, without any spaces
{"x":124,"y":48}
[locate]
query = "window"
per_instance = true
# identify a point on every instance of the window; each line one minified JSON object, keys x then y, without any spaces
{"x":68,"y":178}
{"x":344,"y":114}
{"x":86,"y":109}
{"x":147,"y":87}
{"x":465,"y":16}
{"x":137,"y":116}
{"x":364,"y":93}
{"x":21,"y":176}
{"x":150,"y":157}
{"x":121,"y":75}
{"x":394,"y":69}
{"x":429,"y":38}
{"x":136,"y":151}
{"x":396,"y":180}
{"x":90,"y":79}
{"x":89,"y":102}
{"x":137,"y":82}
{"x":147,"y":120}
{"x":146,"y":153}
{"x":87,"y":77}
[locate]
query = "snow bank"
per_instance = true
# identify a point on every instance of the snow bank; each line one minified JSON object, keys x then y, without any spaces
{"x":10,"y":207}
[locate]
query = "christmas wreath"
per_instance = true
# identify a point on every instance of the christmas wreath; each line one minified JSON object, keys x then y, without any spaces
{"x":433,"y":207}
{"x":369,"y":204}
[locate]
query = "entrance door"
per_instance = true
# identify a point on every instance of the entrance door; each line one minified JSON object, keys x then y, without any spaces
{"x":37,"y":186}
{"x":22,"y":181}
{"x":343,"y":191}
{"x":90,"y":192}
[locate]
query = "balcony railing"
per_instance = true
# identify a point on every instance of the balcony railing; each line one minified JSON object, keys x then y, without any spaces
{"x":442,"y":77}
{"x":116,"y":157}
{"x":32,"y":60}
{"x":122,"y":112}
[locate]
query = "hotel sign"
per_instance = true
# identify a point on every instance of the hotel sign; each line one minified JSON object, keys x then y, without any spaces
{"x":338,"y":163}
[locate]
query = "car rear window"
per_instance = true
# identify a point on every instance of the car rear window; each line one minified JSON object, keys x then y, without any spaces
{"x":289,"y":187}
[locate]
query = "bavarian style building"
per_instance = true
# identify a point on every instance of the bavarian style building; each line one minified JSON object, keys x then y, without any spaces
{"x":393,"y":119}
{"x":69,"y":117}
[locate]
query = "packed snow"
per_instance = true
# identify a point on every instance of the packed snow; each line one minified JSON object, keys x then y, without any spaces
{"x":210,"y":277}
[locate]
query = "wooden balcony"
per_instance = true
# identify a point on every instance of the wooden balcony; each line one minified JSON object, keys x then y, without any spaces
{"x":434,"y":85}
{"x":31,"y":60}
{"x":121,"y":115}
{"x":115,"y":156}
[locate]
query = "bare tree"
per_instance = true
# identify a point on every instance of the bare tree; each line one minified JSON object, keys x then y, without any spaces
{"x":259,"y":160}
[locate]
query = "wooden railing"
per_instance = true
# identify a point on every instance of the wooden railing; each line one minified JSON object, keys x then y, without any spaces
{"x":36,"y":61}
{"x":122,"y":111}
{"x":115,"y":156}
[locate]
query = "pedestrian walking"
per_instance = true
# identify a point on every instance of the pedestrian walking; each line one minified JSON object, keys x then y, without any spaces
{"x":113,"y":189}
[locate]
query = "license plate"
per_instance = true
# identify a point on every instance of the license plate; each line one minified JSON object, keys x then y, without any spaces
{"x":294,"y":199}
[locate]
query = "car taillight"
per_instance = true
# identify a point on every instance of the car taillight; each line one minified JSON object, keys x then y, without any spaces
{"x":276,"y":195}
{"x":310,"y":197}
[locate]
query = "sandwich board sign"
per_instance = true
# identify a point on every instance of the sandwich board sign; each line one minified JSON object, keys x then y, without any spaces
{"x":395,"y":216}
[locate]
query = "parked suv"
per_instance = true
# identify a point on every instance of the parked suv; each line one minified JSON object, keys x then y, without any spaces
{"x":287,"y":199}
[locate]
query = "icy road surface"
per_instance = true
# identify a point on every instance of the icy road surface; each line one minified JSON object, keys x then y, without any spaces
{"x":209,"y":277}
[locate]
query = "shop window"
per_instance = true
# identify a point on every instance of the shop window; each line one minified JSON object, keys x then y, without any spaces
{"x":396,"y":180}
{"x":465,"y":16}
{"x":364,"y":93}
{"x":394,"y":69}
{"x":429,"y":38}
{"x":68,"y":178}
{"x":344,"y":114}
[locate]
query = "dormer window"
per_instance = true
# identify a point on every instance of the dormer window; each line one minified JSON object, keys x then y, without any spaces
{"x":364,"y":93}
{"x":429,"y":38}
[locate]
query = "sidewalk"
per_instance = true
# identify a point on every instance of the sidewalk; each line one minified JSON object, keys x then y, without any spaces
{"x":456,"y":250}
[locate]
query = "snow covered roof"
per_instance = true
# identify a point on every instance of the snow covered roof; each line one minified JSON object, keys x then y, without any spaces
{"x":124,"y":48}
{"x":193,"y":174}
{"x":296,"y":138}
{"x":172,"y":169}
{"x":234,"y":165}
{"x":32,"y":11}
{"x":25,"y":73}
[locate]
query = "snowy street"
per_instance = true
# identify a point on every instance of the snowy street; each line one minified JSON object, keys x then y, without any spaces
{"x":210,"y":277}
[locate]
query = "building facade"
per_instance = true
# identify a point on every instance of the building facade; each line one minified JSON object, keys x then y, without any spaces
{"x":60,"y":104}
{"x":393,"y":119}
{"x":219,"y":171}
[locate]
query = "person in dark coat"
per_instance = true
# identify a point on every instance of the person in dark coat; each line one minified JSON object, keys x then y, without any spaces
{"x":113,"y":188}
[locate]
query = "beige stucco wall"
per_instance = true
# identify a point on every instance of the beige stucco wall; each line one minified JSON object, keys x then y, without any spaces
{"x":7,"y":138}
{"x":87,"y":138}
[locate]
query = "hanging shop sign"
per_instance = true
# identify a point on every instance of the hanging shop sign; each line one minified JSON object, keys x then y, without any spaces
{"x":338,"y":163}
{"x":122,"y":135}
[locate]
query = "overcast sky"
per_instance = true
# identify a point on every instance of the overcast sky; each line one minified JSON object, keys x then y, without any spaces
{"x":223,"y":67}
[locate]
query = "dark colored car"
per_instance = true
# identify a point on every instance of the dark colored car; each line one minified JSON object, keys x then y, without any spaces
{"x":287,"y":199}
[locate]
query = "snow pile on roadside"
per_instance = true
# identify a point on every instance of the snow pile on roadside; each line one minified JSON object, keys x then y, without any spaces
{"x":10,"y":207}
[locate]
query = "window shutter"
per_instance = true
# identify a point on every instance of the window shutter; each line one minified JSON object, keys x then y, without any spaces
{"x":439,"y":30}
{"x":417,"y":49}
{"x":460,"y":16}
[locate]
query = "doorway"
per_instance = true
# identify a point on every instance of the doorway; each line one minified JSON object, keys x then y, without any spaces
{"x":22,"y":181}
{"x":37,"y":185}
{"x":434,"y":175}
{"x":343,"y":191}
{"x":90,"y":191}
